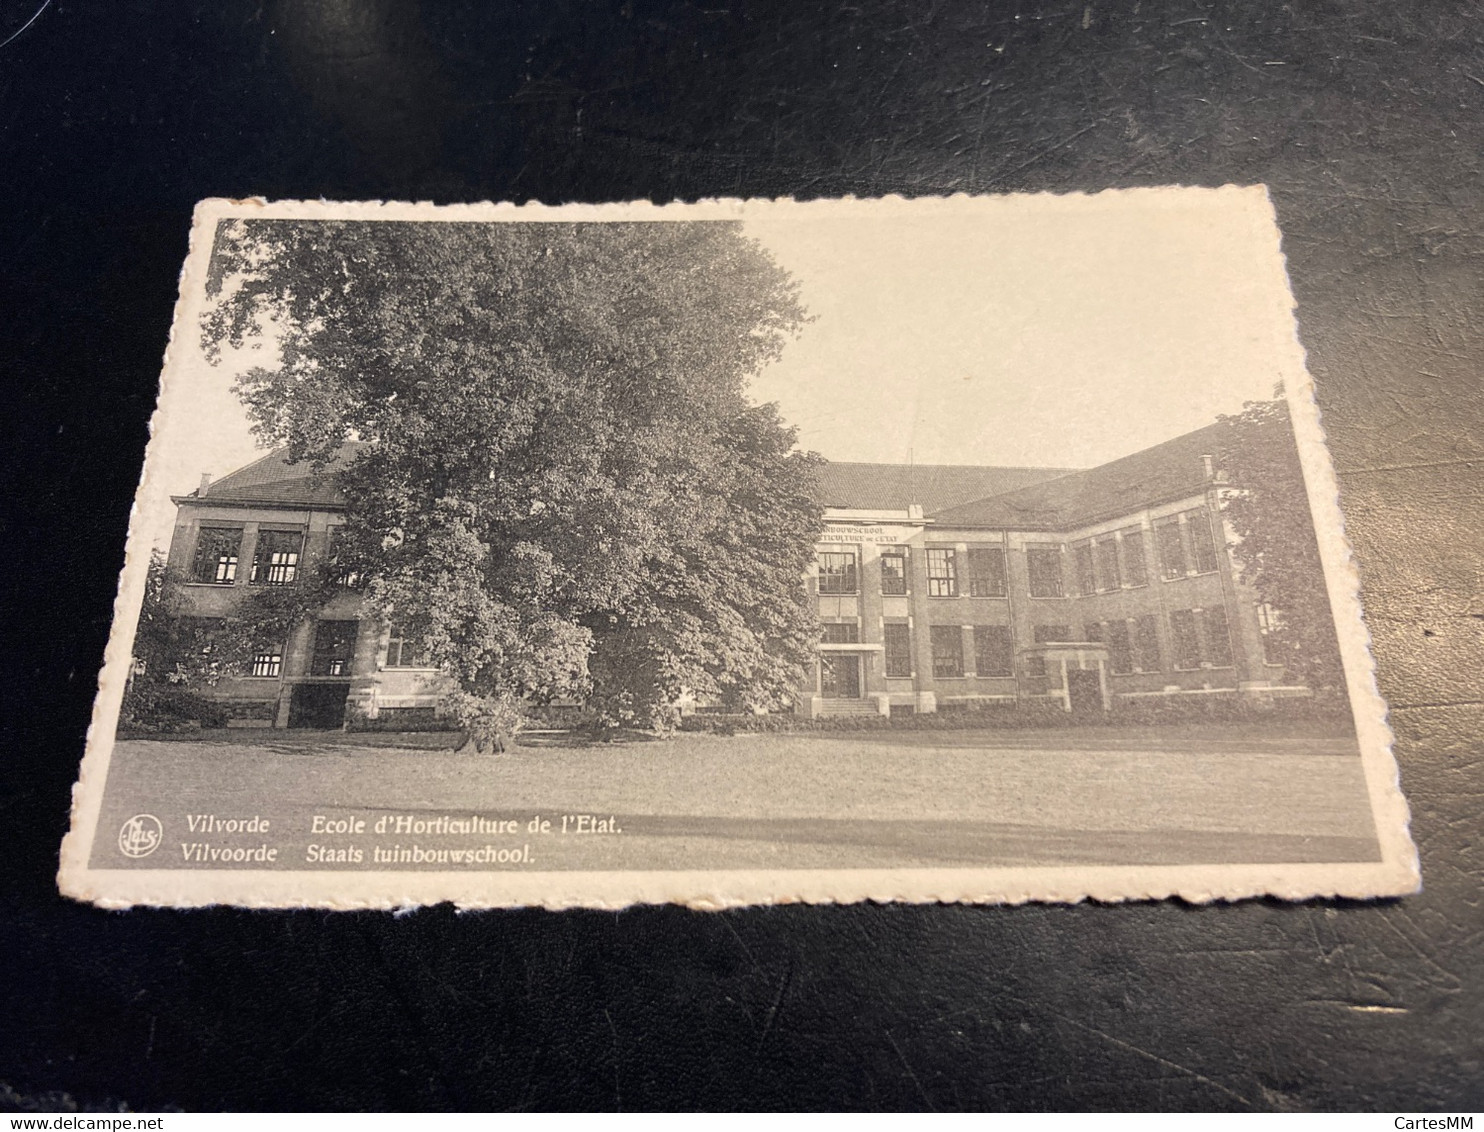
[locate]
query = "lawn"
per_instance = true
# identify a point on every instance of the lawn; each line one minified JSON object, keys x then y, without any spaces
{"x":792,"y":800}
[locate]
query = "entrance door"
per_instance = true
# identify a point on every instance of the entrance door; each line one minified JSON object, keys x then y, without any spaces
{"x":840,"y":676}
{"x":1085,"y":690}
{"x":320,"y":706}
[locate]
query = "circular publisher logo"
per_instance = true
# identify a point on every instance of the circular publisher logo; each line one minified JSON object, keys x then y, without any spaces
{"x":141,"y":835}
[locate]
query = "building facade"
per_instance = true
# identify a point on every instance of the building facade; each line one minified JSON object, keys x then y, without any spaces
{"x":937,"y":587}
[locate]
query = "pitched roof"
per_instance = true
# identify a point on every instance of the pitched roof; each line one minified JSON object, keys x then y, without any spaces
{"x":893,"y":487}
{"x":273,"y":479}
{"x":1166,"y":471}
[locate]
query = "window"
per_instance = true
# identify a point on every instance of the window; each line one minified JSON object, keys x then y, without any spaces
{"x":948,"y":650}
{"x":842,"y":633}
{"x":898,"y":649}
{"x":1036,"y":665}
{"x":1135,"y":569}
{"x":994,"y":650}
{"x":216,"y":555}
{"x":1086,"y":581}
{"x":334,"y":646}
{"x":1120,"y":653}
{"x":1107,"y":565}
{"x":1146,"y":644}
{"x":942,"y":572}
{"x":1202,"y":546}
{"x":1186,"y":641}
{"x":275,"y":562}
{"x":1171,"y":550}
{"x":986,"y":571}
{"x":894,"y":572}
{"x":268,"y":662}
{"x":403,"y":649}
{"x":837,"y":573}
{"x":1093,"y":631}
{"x":1043,"y":563}
{"x":1270,"y":625}
{"x":1218,"y":638}
{"x":337,"y":565}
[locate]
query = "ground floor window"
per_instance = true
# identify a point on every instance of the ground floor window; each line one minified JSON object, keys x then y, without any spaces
{"x":334,"y":647}
{"x":403,"y":649}
{"x":1146,"y":645}
{"x":1269,"y":622}
{"x":898,"y":650}
{"x":1218,"y":637}
{"x":267,"y":662}
{"x":994,"y":650}
{"x":948,"y":650}
{"x":1120,"y":649}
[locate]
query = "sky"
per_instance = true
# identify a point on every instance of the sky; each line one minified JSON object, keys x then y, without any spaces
{"x":1029,"y":331}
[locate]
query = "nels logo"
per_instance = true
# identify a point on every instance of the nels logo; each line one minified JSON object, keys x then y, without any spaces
{"x":141,"y":835}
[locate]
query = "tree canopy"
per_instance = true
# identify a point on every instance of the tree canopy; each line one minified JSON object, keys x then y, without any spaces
{"x":1277,"y":550}
{"x":556,"y":481}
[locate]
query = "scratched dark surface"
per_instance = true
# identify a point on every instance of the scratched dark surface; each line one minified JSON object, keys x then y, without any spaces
{"x":1367,"y":119}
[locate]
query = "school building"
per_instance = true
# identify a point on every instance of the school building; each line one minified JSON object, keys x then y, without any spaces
{"x":938,"y":587}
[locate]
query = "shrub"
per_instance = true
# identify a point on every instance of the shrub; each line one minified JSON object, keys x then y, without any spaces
{"x":166,"y":708}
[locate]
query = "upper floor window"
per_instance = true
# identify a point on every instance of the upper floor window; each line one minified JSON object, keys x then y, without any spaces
{"x":842,"y":632}
{"x":1105,"y":556}
{"x":275,"y":562}
{"x":1171,"y":549}
{"x":837,"y":574}
{"x":216,"y":555}
{"x":948,"y":650}
{"x":334,"y":648}
{"x":894,"y":571}
{"x":1082,"y":559}
{"x":267,"y":662}
{"x":1202,"y":544}
{"x":337,"y":561}
{"x":986,"y":571}
{"x":404,"y":650}
{"x":1043,"y":564}
{"x":942,"y":572}
{"x":1135,"y":568}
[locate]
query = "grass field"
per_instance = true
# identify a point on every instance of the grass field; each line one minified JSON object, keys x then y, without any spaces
{"x":799,"y":800}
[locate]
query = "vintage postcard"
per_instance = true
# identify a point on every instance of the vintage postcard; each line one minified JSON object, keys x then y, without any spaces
{"x":956,"y":549}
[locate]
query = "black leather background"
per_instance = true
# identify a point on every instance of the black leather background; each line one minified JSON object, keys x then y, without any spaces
{"x":1366,"y":119}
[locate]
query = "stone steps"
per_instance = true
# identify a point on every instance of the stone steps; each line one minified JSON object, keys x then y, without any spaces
{"x":846,"y":707}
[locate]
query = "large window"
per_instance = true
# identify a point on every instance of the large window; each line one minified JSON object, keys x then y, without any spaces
{"x":1186,"y":639}
{"x":1135,"y":568}
{"x":275,"y":562}
{"x":1171,"y":550}
{"x":404,"y":649}
{"x":1120,"y":651}
{"x":334,"y":648}
{"x":948,"y":650}
{"x":1092,"y":631}
{"x":1202,"y":545}
{"x":986,"y":571}
{"x":894,"y":571}
{"x":1082,"y":557}
{"x":1043,"y":563}
{"x":898,"y":649}
{"x":837,"y":573}
{"x":216,"y":555}
{"x":1146,"y":645}
{"x":1218,"y":637}
{"x":338,"y":566}
{"x":1269,"y":624}
{"x":1107,"y":565}
{"x":942,"y":572}
{"x":842,"y":633}
{"x":994,"y":650}
{"x":267,"y":662}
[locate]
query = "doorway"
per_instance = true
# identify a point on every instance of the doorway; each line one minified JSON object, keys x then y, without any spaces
{"x":1085,"y":691}
{"x":840,"y":677}
{"x":318,"y":706}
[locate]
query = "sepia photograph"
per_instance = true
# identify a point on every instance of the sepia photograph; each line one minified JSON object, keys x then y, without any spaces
{"x":965,"y":549}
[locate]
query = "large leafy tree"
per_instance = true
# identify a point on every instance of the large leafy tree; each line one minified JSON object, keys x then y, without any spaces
{"x":1267,"y":509}
{"x":556,"y":479}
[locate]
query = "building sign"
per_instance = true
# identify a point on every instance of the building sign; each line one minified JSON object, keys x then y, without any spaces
{"x":876,"y":536}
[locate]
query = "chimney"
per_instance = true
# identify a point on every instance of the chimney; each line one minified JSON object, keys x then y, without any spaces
{"x":205,"y":483}
{"x":1209,"y":464}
